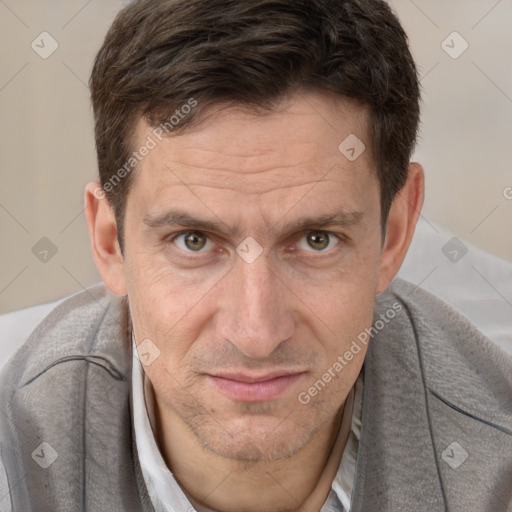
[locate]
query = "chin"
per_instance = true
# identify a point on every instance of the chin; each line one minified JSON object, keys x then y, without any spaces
{"x":254,"y":439}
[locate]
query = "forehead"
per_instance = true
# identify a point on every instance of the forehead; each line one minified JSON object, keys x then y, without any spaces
{"x":235,"y":151}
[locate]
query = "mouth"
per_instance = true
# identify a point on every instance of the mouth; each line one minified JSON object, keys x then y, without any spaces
{"x":244,"y":387}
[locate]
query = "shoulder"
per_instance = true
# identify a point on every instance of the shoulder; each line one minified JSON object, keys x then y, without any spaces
{"x":64,"y":396}
{"x":90,"y":325}
{"x":458,"y":363}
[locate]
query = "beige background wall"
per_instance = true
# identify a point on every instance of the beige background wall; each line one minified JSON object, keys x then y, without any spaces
{"x":47,"y":148}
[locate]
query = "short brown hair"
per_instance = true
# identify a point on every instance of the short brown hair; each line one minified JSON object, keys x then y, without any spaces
{"x":160,"y":54}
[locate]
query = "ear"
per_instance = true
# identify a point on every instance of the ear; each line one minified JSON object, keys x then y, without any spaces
{"x":103,"y":235}
{"x":403,"y":216}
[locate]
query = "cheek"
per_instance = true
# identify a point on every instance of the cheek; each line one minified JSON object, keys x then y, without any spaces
{"x":346,"y":314}
{"x":346,"y":294}
{"x":340,"y":308}
{"x":161,"y":307}
{"x":161,"y":294}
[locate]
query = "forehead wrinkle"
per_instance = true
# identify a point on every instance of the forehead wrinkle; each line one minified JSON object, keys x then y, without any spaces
{"x":250,"y":159}
{"x":345,"y":217}
{"x":278,"y":187}
{"x":312,"y":170}
{"x":247,"y":184}
{"x":179,"y":165}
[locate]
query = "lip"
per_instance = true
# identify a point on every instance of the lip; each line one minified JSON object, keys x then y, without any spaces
{"x":243,"y":387}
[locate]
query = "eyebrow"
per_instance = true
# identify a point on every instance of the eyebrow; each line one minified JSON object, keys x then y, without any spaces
{"x":341,"y":218}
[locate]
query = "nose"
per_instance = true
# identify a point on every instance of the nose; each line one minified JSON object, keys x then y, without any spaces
{"x":256,"y":313}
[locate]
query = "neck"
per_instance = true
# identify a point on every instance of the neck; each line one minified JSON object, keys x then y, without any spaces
{"x":300,"y":481}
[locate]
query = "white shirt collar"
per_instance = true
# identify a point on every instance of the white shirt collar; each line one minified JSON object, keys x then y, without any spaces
{"x":163,"y":489}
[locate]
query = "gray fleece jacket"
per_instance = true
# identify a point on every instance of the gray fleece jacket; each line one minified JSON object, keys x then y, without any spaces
{"x":436,"y":421}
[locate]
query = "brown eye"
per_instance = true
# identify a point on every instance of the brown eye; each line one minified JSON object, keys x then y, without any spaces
{"x":318,"y":240}
{"x":193,"y":241}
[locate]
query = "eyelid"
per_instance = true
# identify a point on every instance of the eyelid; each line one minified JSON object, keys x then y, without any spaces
{"x":330,"y":234}
{"x":172,"y":238}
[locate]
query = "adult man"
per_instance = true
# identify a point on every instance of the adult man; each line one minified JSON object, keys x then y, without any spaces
{"x":256,"y":196}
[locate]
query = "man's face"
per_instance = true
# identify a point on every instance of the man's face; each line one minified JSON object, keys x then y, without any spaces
{"x":238,"y":277}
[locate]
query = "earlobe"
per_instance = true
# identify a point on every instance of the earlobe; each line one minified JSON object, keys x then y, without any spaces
{"x":103,"y":236}
{"x":403,"y":216}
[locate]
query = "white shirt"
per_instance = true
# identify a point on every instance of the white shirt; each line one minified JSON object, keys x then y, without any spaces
{"x":163,"y":489}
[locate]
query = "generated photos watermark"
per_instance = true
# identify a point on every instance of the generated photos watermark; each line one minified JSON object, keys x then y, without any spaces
{"x":304,"y":397}
{"x":150,"y":143}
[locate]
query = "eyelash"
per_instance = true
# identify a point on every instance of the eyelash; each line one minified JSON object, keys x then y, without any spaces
{"x":194,"y":255}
